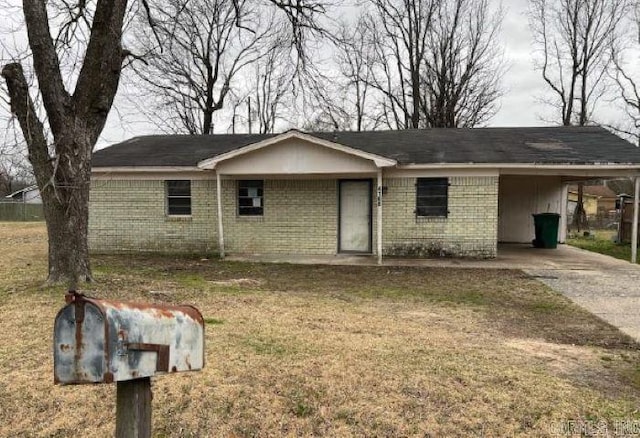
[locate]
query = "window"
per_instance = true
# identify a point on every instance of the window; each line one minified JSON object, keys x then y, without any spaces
{"x":178,"y":197}
{"x":432,"y":197}
{"x":250,"y":197}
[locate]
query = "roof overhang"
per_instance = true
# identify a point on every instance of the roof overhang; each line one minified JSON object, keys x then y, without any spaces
{"x":145,"y":169}
{"x":613,"y":166}
{"x":568,"y":170}
{"x":378,"y":160}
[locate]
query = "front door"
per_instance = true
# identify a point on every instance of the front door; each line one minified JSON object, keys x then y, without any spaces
{"x":355,"y":216}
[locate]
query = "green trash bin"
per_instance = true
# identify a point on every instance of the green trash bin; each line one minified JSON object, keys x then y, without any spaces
{"x":546,"y":226}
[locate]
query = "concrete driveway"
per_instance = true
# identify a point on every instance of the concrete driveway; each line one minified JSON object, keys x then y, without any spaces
{"x":607,"y":287}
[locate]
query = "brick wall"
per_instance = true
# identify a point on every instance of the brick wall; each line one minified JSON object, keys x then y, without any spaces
{"x":129,"y":215}
{"x":469,"y":230}
{"x":300,"y":217}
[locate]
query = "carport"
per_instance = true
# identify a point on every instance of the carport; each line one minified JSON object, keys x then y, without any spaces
{"x":527,"y":190}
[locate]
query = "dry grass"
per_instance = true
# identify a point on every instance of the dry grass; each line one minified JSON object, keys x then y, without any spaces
{"x":336,"y":351}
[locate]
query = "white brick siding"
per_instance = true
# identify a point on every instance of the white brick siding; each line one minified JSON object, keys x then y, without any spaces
{"x":300,"y":217}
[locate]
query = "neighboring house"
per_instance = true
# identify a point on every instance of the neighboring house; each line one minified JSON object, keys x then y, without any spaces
{"x":398,"y":193}
{"x":589,"y":202}
{"x":28,"y":195}
{"x":597,"y":199}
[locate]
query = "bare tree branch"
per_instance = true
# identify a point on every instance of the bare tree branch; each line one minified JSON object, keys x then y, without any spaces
{"x":203,"y":50}
{"x":23,"y":108}
{"x":573,"y":37}
{"x":45,"y":60}
{"x":627,"y":85}
{"x":433,"y":63}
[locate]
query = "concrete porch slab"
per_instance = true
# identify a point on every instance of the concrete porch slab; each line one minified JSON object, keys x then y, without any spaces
{"x":510,"y":256}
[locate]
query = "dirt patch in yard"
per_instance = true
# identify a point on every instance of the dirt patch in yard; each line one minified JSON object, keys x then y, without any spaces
{"x":584,"y":366}
{"x":327,"y":351}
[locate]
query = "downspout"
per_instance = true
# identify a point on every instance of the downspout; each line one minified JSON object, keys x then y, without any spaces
{"x":219,"y":202}
{"x":379,"y":218}
{"x":634,"y":225}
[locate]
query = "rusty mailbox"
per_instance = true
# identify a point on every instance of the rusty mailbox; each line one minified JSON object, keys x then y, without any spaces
{"x":101,"y":341}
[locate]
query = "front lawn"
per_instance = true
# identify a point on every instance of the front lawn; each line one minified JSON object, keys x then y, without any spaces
{"x":297,"y":350}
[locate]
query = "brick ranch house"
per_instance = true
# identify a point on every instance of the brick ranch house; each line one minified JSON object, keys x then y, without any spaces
{"x":413,"y":193}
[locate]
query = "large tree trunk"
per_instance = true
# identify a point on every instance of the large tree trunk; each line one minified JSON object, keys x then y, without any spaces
{"x":66,"y":209}
{"x":63,"y":181}
{"x":68,"y":248}
{"x":63,"y":171}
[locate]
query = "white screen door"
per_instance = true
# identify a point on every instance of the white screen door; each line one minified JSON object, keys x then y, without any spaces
{"x":355,"y":216}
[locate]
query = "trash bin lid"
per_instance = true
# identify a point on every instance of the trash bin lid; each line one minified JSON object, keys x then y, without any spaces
{"x":545,"y":214}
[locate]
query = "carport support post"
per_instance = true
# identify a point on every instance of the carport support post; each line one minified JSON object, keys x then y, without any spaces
{"x":133,"y":408}
{"x":634,"y":226}
{"x":563,"y":213}
{"x":219,"y":202}
{"x":379,"y":218}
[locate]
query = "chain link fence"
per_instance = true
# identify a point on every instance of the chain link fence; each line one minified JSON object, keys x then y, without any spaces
{"x":21,"y":211}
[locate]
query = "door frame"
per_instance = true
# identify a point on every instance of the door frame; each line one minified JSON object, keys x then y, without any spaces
{"x":369,"y":182}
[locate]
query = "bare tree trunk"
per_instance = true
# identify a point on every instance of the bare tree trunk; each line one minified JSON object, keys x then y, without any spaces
{"x":579,"y":214}
{"x":63,"y":188}
{"x":68,"y":248}
{"x":76,"y":120}
{"x":64,"y":185}
{"x":69,"y":219}
{"x":415,"y":99}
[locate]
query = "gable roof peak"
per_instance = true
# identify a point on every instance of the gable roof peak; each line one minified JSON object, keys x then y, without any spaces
{"x":379,"y":160}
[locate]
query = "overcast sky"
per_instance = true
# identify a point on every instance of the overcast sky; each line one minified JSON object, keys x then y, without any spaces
{"x":519,"y":106}
{"x":522,"y":83}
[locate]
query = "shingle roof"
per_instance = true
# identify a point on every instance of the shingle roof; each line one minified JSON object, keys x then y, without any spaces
{"x":543,"y":145}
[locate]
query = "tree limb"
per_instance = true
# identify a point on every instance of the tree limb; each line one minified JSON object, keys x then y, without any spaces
{"x":100,"y":73}
{"x":23,"y":108}
{"x":46,"y":64}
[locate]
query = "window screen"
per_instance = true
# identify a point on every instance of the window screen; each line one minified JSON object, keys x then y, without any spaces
{"x":250,"y":197}
{"x":178,"y":197}
{"x":432,"y":197}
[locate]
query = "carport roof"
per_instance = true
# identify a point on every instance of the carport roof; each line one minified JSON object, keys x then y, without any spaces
{"x":537,"y":145}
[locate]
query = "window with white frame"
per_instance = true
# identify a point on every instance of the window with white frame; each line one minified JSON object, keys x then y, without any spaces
{"x":432,"y":197}
{"x":178,"y":197}
{"x":250,"y":197}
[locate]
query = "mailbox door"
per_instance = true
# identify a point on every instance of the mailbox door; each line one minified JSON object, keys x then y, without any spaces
{"x":79,"y":345}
